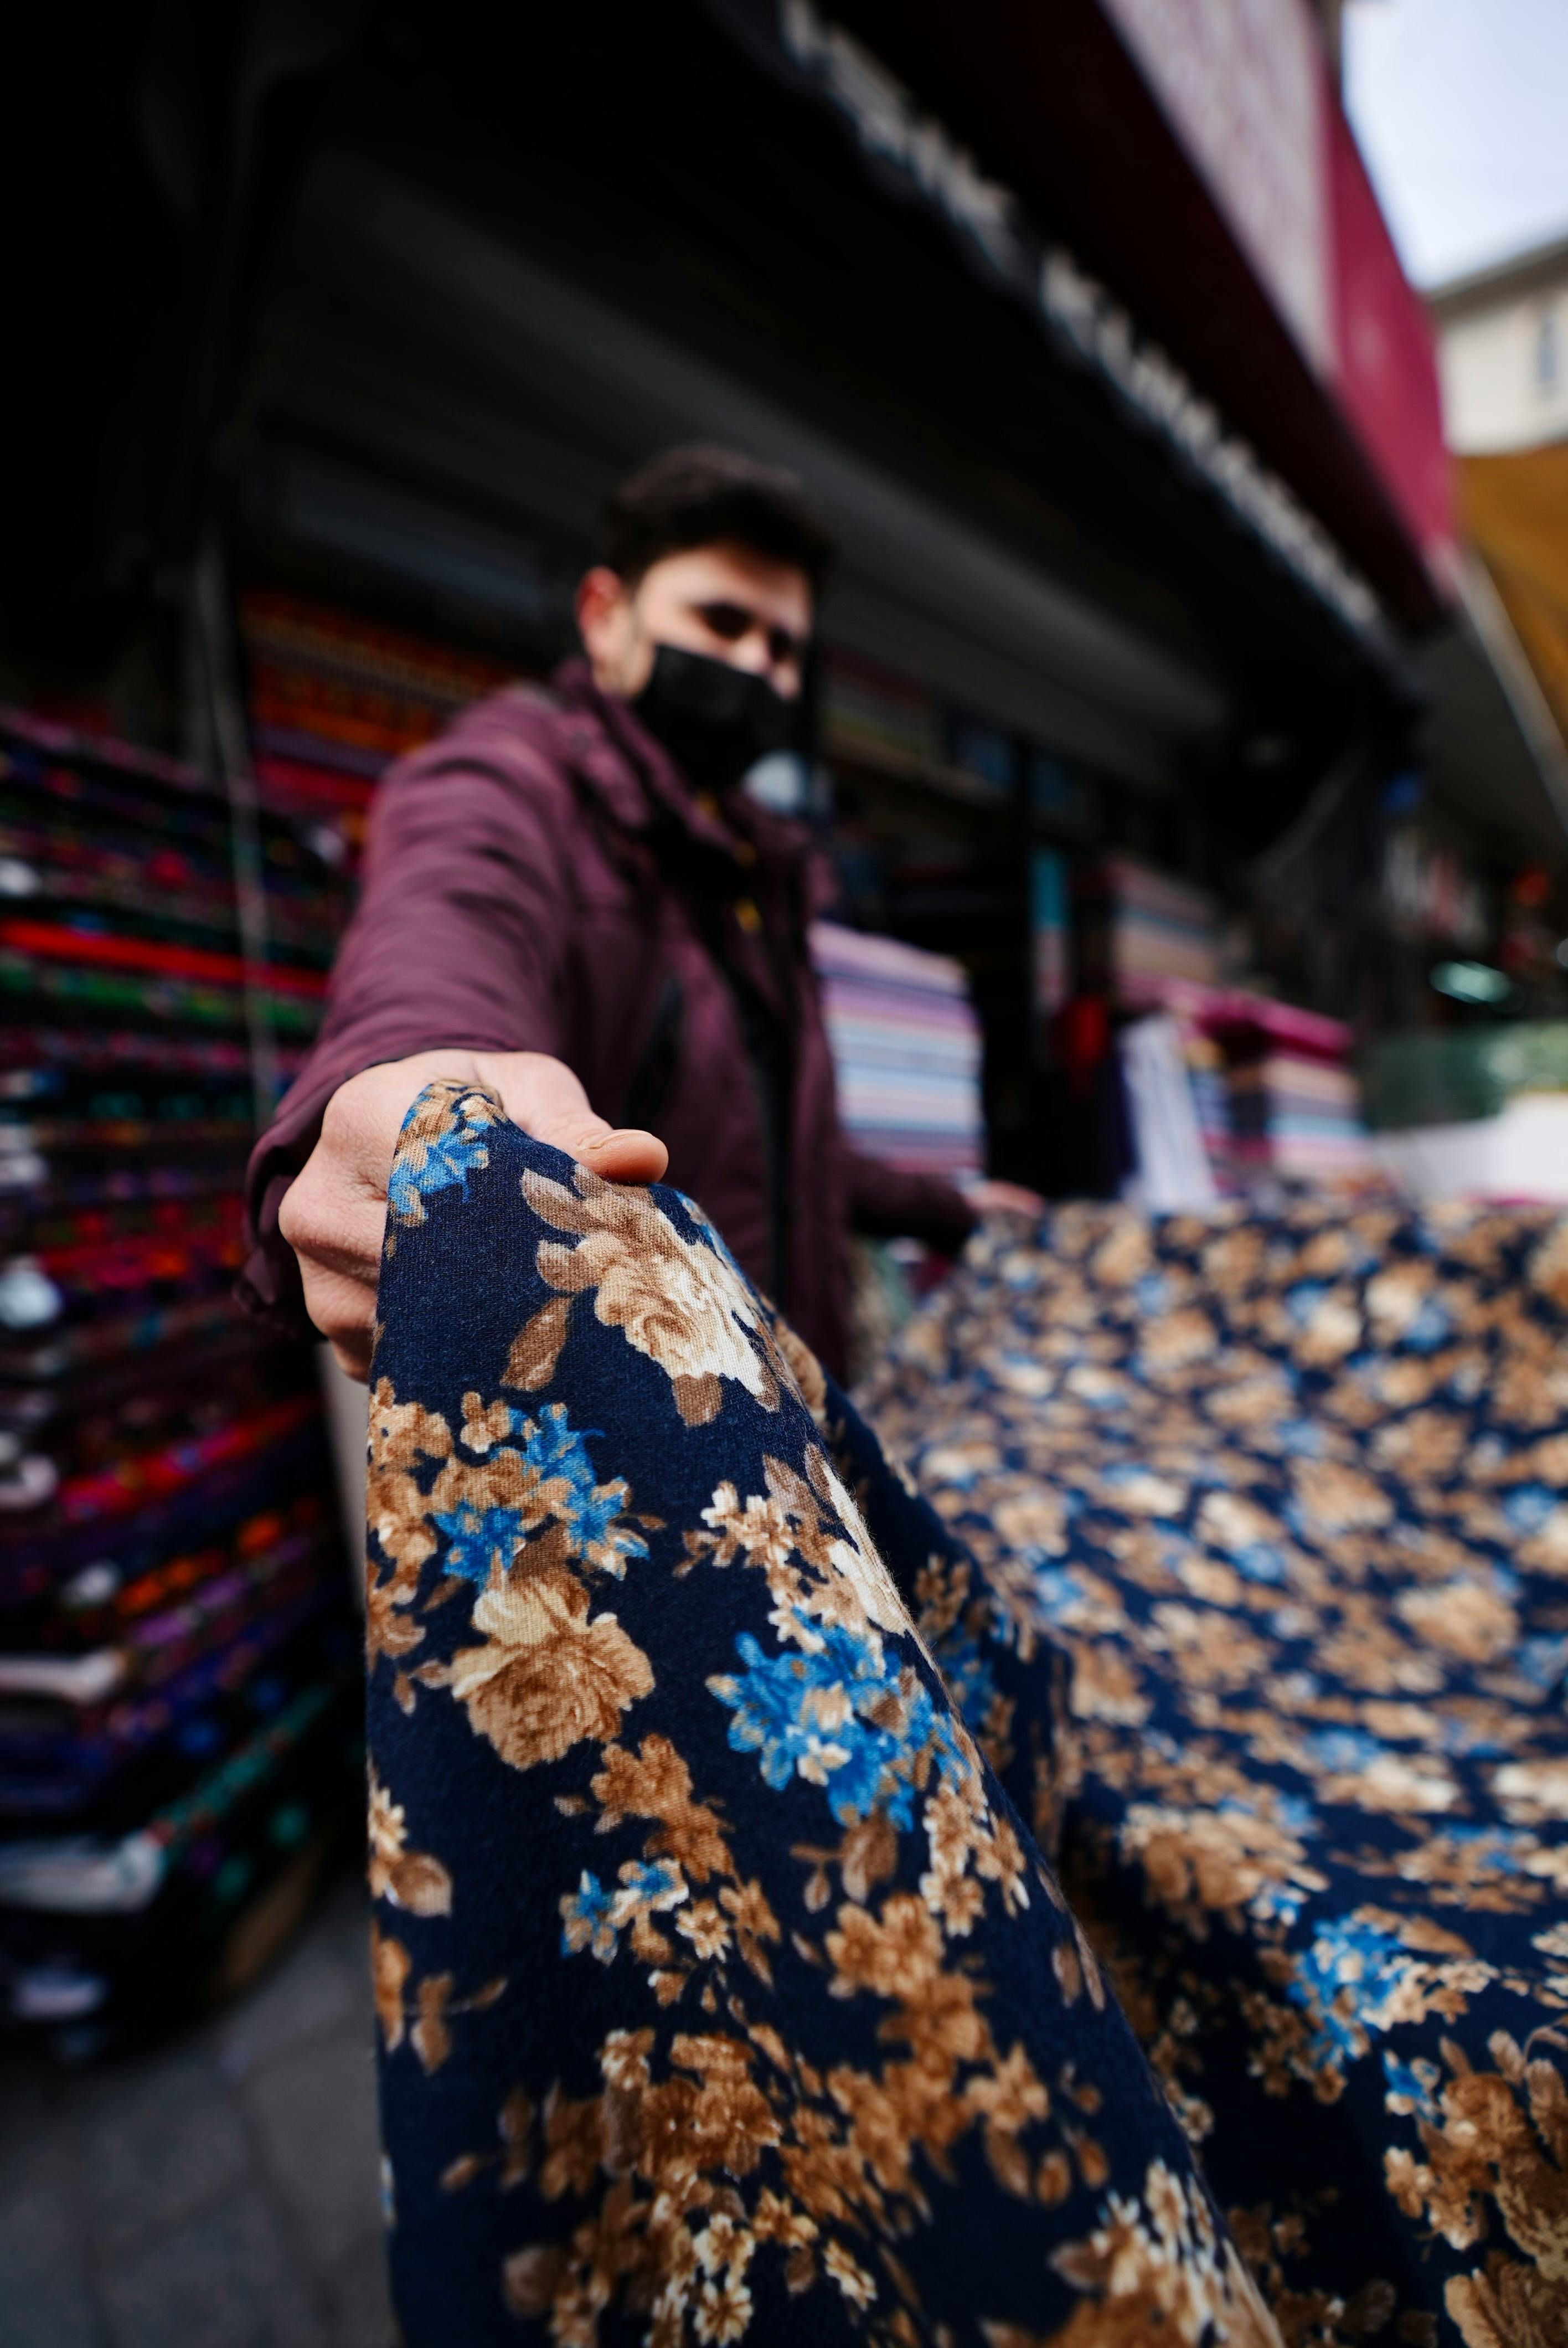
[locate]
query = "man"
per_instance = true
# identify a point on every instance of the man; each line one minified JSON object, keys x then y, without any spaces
{"x":567,"y":897}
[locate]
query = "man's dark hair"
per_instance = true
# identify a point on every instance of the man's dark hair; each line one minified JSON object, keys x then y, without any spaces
{"x":697,"y":496}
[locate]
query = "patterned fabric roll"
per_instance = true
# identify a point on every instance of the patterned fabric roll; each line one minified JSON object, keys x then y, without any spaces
{"x":723,"y":1994}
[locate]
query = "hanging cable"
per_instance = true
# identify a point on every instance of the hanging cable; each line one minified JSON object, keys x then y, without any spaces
{"x":230,"y":758}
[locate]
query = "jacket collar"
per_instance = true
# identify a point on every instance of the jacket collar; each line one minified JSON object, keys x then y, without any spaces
{"x":641,"y":784}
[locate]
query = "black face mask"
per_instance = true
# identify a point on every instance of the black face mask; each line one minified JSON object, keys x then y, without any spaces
{"x":714,"y":720}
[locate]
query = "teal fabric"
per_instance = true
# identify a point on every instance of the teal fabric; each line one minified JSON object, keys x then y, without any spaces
{"x":724,"y":1994}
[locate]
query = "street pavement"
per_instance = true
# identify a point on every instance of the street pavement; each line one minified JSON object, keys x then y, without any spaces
{"x":219,"y":2192}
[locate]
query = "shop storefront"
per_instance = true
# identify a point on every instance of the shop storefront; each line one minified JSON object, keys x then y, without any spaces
{"x":1080,"y":611}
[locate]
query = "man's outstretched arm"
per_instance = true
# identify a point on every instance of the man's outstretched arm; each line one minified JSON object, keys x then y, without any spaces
{"x":453,"y":965}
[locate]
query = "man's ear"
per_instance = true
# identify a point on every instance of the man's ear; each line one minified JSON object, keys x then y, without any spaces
{"x":601,"y":605}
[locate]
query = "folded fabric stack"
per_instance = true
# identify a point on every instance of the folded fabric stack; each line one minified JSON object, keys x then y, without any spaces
{"x":335,"y":698}
{"x":1298,"y":1115}
{"x":1287,"y":1493}
{"x":1209,"y":1082}
{"x":176,"y":1639}
{"x":1050,"y":931}
{"x":1275,"y":1093}
{"x":1139,"y":928}
{"x":1172,"y":1152}
{"x":868,"y":713}
{"x":905,"y":1051}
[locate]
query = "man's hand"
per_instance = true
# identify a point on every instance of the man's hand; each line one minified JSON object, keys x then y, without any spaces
{"x":1004,"y":1199}
{"x":334,"y":1214}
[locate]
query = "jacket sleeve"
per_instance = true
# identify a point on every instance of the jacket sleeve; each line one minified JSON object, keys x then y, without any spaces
{"x":887,"y":1204}
{"x":457,"y":942}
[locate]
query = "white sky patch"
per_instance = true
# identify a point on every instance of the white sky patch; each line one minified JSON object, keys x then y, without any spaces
{"x":1462,"y":110}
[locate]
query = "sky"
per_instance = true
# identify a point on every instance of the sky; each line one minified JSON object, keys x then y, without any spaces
{"x":1462,"y":110}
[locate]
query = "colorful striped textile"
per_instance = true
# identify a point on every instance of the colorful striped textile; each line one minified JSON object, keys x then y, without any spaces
{"x":906,"y":1051}
{"x":170,"y":1590}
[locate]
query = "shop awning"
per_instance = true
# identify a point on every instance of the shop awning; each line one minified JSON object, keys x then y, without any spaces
{"x":1194,"y":160}
{"x":1515,"y":511}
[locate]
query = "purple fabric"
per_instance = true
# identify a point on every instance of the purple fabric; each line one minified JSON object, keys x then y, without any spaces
{"x":540,"y":877}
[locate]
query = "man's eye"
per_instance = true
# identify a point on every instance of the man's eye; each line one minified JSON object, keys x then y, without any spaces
{"x":730,"y":621}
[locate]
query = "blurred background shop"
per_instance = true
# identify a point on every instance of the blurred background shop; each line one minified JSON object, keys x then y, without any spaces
{"x":1186,"y":731}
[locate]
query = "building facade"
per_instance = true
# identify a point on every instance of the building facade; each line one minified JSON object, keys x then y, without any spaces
{"x":1502,"y":353}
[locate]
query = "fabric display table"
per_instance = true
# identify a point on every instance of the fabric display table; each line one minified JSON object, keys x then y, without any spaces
{"x":178,"y":1698}
{"x":1291,"y":1496}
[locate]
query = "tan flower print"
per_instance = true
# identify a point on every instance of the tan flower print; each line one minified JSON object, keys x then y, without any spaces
{"x":1157,"y":2268}
{"x":415,"y":1880}
{"x":678,"y":1302}
{"x":546,"y":1676}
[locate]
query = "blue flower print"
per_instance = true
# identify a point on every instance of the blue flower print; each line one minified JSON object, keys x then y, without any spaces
{"x":1303,"y":1302}
{"x":1528,"y":1507}
{"x":487,"y":1540}
{"x":844,"y":1717}
{"x":590,"y":1510}
{"x":1409,"y":2086}
{"x":1346,"y":1751}
{"x":1346,"y":1982}
{"x":593,"y":1917}
{"x":971,"y":1682}
{"x":445,"y":1162}
{"x":482,"y":1540}
{"x":1432,"y":1325}
{"x":1057,"y":1590}
{"x":1542,"y":1660}
{"x":588,"y":1920}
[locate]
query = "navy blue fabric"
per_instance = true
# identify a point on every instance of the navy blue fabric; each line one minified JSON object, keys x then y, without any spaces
{"x":723,"y":1994}
{"x":1290,"y":1494}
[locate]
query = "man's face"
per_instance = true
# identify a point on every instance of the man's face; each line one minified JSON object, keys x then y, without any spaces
{"x":723,"y":600}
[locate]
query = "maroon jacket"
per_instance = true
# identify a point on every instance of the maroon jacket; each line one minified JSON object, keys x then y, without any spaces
{"x":541,"y":878}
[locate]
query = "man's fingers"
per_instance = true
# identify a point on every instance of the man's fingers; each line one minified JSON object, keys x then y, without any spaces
{"x":352,"y":1354}
{"x":342,"y":1308}
{"x":990,"y":1197}
{"x":342,"y":1235}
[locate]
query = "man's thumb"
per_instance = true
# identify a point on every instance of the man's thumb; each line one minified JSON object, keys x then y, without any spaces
{"x":543,"y":1096}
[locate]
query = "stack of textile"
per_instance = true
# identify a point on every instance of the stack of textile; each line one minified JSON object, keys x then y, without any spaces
{"x":1050,"y":931}
{"x":1287,"y":1493}
{"x":1209,"y":1082}
{"x":175,"y":1642}
{"x":1298,"y":1114}
{"x":1273,"y":1087}
{"x":905,"y":1051}
{"x":335,"y":698}
{"x":870,"y":713}
{"x":1139,"y":928}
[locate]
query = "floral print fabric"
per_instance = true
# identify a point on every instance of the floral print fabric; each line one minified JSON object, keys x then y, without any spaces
{"x":1291,"y":1496}
{"x":723,"y":1994}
